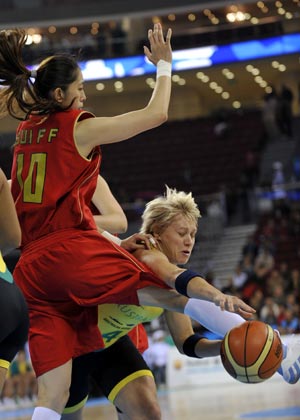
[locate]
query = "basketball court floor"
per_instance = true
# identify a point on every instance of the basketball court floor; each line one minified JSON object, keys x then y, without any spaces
{"x":270,"y":400}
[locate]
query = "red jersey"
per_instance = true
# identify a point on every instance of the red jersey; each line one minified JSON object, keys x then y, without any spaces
{"x":66,"y":267}
{"x":52,"y":184}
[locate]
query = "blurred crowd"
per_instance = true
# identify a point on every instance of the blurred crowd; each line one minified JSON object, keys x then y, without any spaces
{"x":267,"y":277}
{"x":20,"y":388}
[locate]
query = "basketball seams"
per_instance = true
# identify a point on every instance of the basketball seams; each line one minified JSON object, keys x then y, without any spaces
{"x":254,"y":369}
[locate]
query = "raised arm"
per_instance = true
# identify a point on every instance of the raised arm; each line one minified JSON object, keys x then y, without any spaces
{"x":10,"y":232}
{"x":102,"y":130}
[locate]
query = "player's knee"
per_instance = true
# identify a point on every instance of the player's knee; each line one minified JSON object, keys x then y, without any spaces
{"x":151,"y":410}
{"x":154,"y":411}
{"x":54,"y":400}
{"x":148,"y":409}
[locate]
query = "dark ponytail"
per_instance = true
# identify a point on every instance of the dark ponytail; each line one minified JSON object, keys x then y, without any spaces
{"x":22,"y":94}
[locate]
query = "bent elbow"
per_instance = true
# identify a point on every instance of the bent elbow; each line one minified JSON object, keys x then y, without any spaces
{"x":162,"y":118}
{"x":159,"y":119}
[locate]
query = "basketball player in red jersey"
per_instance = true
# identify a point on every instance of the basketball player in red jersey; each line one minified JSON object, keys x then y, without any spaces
{"x":66,"y":267}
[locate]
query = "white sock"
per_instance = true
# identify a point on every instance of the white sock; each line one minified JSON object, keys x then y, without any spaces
{"x":43,"y":413}
{"x":211,"y":317}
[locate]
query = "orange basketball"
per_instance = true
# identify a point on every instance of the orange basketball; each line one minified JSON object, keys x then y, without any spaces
{"x":251,"y":352}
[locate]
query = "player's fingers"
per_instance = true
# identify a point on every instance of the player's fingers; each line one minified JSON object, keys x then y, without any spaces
{"x":246,"y":308}
{"x":222,"y":304}
{"x":148,"y":54}
{"x":150,"y":34}
{"x":245,"y":314}
{"x":230,"y":305}
{"x":168,"y":36}
{"x":160,"y":35}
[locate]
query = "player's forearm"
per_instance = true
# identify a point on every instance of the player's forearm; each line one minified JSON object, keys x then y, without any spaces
{"x":199,"y":288}
{"x":113,"y":223}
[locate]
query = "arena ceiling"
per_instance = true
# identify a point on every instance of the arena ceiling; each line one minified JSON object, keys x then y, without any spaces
{"x":189,"y":17}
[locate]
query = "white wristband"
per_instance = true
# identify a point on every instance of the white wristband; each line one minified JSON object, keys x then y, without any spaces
{"x":111,"y":238}
{"x":163,"y":68}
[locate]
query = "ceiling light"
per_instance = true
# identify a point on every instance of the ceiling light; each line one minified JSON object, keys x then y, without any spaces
{"x":282,"y":67}
{"x":225,"y":95}
{"x":73,"y":30}
{"x":118,"y":84}
{"x":236,"y":104}
{"x":37,"y":38}
{"x":100,"y":86}
{"x":240,"y":17}
{"x":52,"y":29}
{"x":231,"y":17}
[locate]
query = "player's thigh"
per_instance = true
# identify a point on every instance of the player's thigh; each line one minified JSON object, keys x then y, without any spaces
{"x":127,"y":381}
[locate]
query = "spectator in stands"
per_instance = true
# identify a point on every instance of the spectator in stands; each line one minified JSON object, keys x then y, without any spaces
{"x":250,"y":248}
{"x":222,"y":126}
{"x":239,"y":277}
{"x":264,"y":260}
{"x":285,"y":111}
{"x":272,"y":280}
{"x":270,"y":312}
{"x":158,"y":351}
{"x":278,"y":294}
{"x":268,"y":234}
{"x":292,"y":302}
{"x":290,"y":322}
{"x":20,"y":386}
{"x":285,"y":274}
{"x":256,"y":300}
{"x":295,"y":282}
{"x":251,"y":167}
{"x":247,"y":263}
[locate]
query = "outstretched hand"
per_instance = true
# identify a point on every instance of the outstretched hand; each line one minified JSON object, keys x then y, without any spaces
{"x":160,"y":49}
{"x":138,"y":241}
{"x":234,"y":304}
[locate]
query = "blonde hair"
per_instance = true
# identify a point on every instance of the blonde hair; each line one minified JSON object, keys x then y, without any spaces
{"x":160,"y":212}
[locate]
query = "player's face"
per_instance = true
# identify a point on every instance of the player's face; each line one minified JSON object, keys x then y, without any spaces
{"x":75,"y":90}
{"x":178,"y":239}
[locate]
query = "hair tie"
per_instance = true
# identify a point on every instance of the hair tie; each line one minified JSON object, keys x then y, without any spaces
{"x":33,"y":74}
